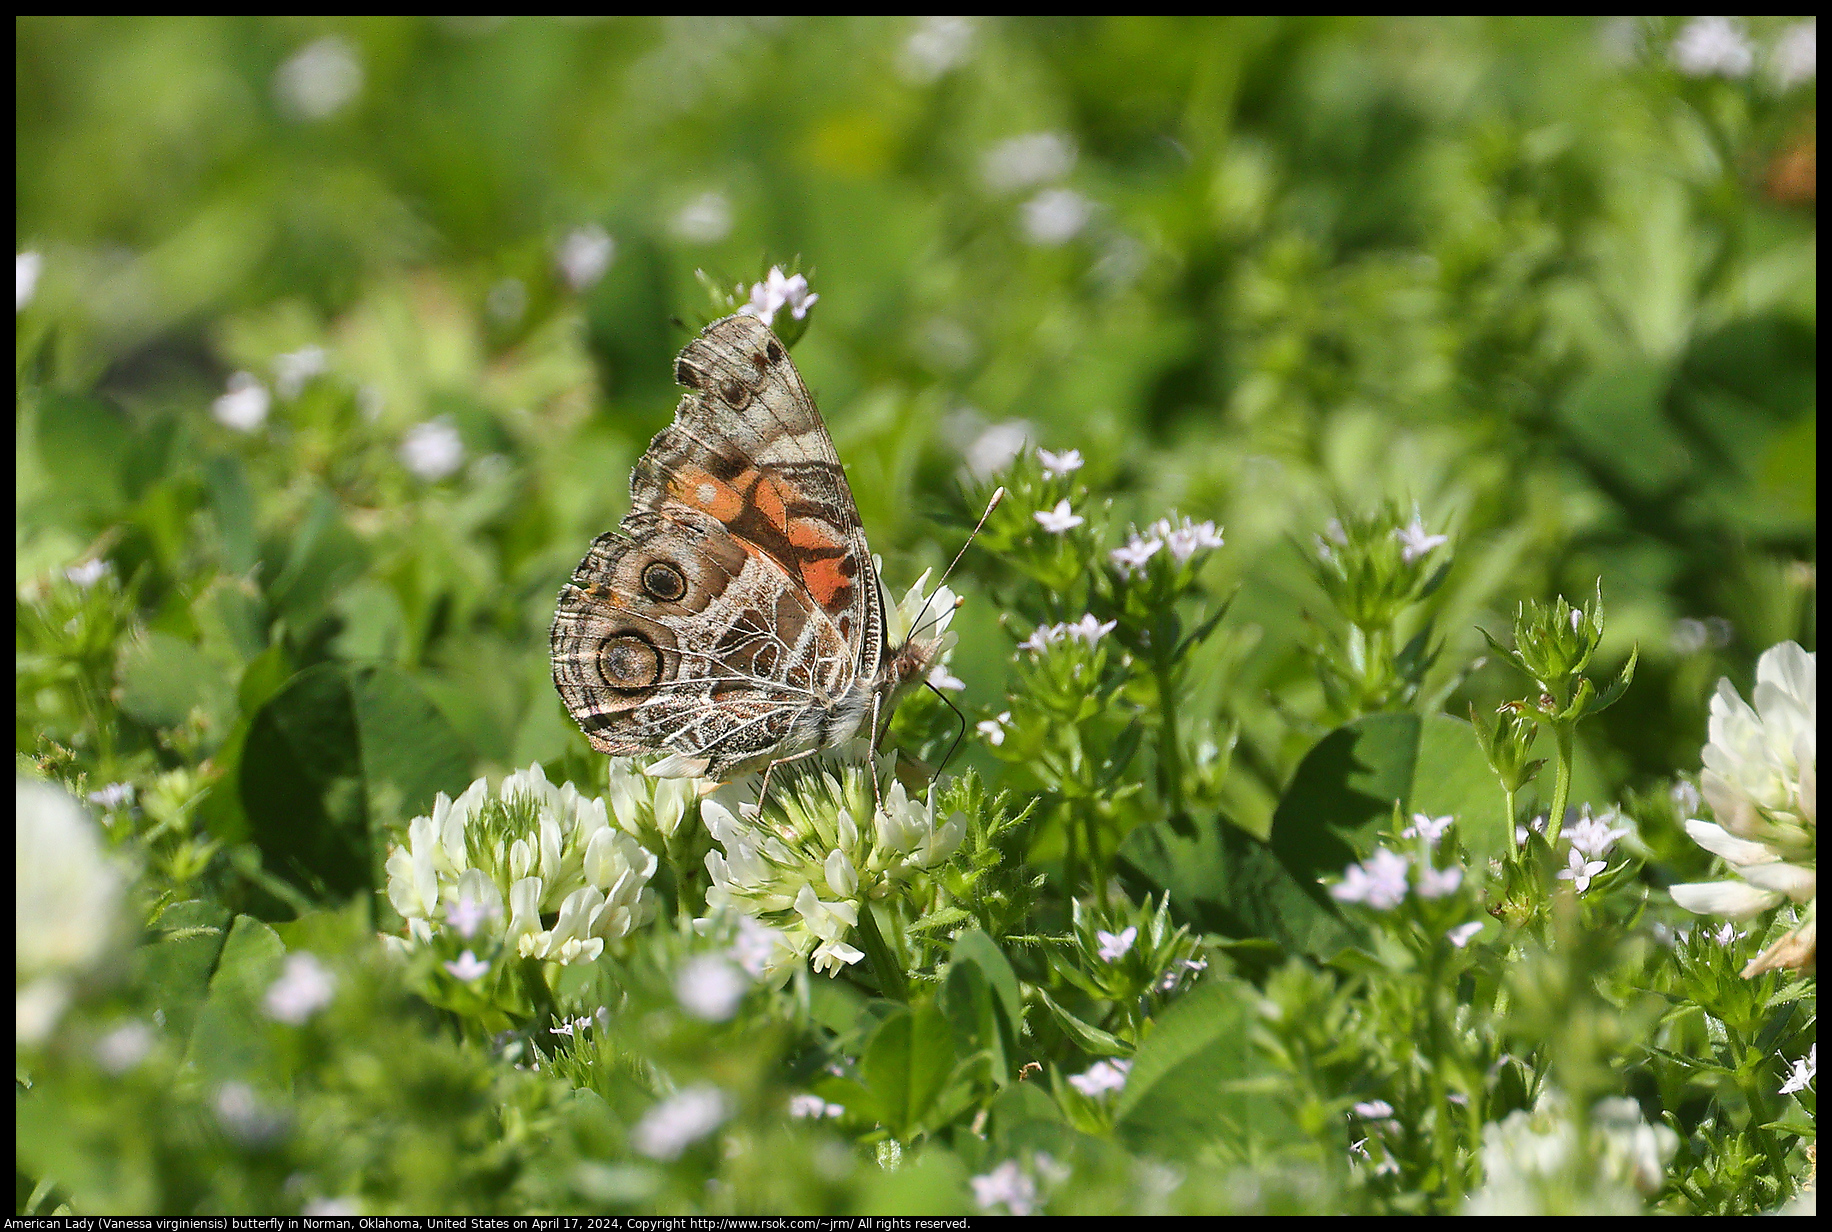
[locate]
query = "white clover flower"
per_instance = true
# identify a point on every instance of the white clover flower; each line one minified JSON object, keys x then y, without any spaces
{"x":67,"y":904}
{"x":293,"y":370}
{"x":648,"y":806}
{"x":1064,"y":463}
{"x":1101,"y":1077}
{"x":706,"y":219}
{"x":813,"y":1107}
{"x":1431,"y":829}
{"x":537,"y":849}
{"x":807,"y":871}
{"x":26,"y":268}
{"x":1115,"y":946}
{"x":679,"y":1121}
{"x":305,"y":986}
{"x":775,"y":293}
{"x":319,"y":79}
{"x":1132,"y":558}
{"x":710,"y":988}
{"x":937,"y":45}
{"x":1027,"y":161}
{"x":919,"y":613}
{"x":1760,"y":779}
{"x":1415,"y":542}
{"x":127,"y":1045}
{"x":1055,"y":216}
{"x":1185,"y":538}
{"x":433,"y":450}
{"x":1794,"y":59}
{"x":1379,"y":881}
{"x":584,"y":255}
{"x":244,"y":407}
{"x":1802,"y":1072}
{"x":1463,"y":934}
{"x":1438,"y":883}
{"x":1713,"y":47}
{"x":1060,"y":519}
{"x":1006,"y":1185}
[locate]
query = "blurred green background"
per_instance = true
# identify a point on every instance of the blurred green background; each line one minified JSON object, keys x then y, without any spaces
{"x":342,"y":335}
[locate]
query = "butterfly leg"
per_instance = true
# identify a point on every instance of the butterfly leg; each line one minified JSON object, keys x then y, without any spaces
{"x":764,"y":787}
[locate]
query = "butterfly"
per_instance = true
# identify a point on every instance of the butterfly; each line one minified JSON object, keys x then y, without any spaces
{"x":735,"y":619}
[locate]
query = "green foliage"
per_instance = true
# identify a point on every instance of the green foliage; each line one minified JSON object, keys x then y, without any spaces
{"x":1305,"y":352}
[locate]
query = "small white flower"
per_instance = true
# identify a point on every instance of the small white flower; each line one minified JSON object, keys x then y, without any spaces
{"x":994,"y":729}
{"x":1462,"y":934}
{"x":1055,"y":216}
{"x":757,"y":947}
{"x":941,"y":678}
{"x":467,"y":967}
{"x":937,"y":45}
{"x":1065,"y":463}
{"x":1803,"y":1071}
{"x":1713,"y":46}
{"x":242,"y":1114}
{"x":1795,"y":58}
{"x":66,"y":904}
{"x":1685,"y":798}
{"x":584,"y":255}
{"x":1007,"y":1186}
{"x":1437,"y":883}
{"x":1027,"y":161}
{"x":87,"y":573}
{"x":1594,"y":836}
{"x":1060,"y":519}
{"x":295,"y":368}
{"x":127,"y":1045}
{"x":244,"y":407}
{"x":1373,"y":1110}
{"x":1580,"y":870}
{"x":1132,"y":558}
{"x":992,"y":449}
{"x":1185,"y":538}
{"x":319,"y":79}
{"x":813,"y":1107}
{"x":1115,"y":946}
{"x":1431,"y":829}
{"x":1415,"y":542}
{"x":433,"y":450}
{"x":679,"y":1121}
{"x":706,"y":219}
{"x":1101,"y":1077}
{"x":1089,"y":629}
{"x":468,"y":913}
{"x":1379,"y":881}
{"x":1041,"y":637}
{"x":26,"y":268}
{"x":1728,"y":934}
{"x":776,"y":292}
{"x":305,"y":986}
{"x":1333,"y":529}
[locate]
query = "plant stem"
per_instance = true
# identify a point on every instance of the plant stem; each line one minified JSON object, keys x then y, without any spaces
{"x":1561,"y":784}
{"x":1512,"y":805}
{"x":884,"y":964}
{"x":1170,"y":748}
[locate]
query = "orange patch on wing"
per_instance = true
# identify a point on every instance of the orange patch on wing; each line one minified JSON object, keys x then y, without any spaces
{"x":697,"y":488}
{"x":812,"y":533}
{"x":830,"y":588}
{"x":767,"y":500}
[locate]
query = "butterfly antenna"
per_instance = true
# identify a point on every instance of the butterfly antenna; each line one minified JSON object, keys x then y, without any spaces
{"x":916,"y":626}
{"x":958,"y":736}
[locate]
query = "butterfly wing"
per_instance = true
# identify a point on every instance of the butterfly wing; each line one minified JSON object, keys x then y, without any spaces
{"x":736,"y":604}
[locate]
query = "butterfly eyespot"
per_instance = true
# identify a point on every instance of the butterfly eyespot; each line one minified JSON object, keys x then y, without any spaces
{"x":776,"y":352}
{"x":736,"y":394}
{"x":629,"y":662}
{"x":665,"y":582}
{"x":760,"y":363}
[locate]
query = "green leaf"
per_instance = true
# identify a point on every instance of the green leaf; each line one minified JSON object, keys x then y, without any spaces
{"x":172,"y":970}
{"x":334,"y":758}
{"x":82,"y":441}
{"x":975,"y":949}
{"x":1345,"y":790}
{"x":906,"y":1065}
{"x":229,"y":1039}
{"x":1619,"y":686}
{"x":1091,"y":1038}
{"x":1197,"y":1078}
{"x":164,"y":677}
